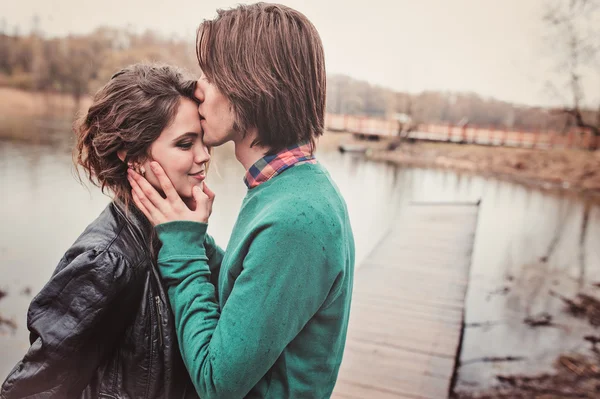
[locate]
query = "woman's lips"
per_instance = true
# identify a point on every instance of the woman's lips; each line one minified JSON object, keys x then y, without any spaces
{"x":198,"y":176}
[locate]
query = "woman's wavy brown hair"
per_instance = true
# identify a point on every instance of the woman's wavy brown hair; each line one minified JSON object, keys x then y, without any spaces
{"x":268,"y":61}
{"x":127,"y":114}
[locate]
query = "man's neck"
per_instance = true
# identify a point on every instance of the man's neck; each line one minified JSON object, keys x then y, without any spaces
{"x":246,"y":154}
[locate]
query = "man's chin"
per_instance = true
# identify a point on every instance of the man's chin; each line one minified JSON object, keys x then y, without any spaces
{"x":208,"y":141}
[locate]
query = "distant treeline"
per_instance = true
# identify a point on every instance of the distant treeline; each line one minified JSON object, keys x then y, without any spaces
{"x":80,"y":64}
{"x":349,"y":96}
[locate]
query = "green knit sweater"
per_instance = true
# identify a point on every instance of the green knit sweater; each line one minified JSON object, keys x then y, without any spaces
{"x":275,"y":324}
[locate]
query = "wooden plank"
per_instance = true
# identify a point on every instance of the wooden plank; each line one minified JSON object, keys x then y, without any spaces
{"x":409,"y":293}
{"x":408,"y":306}
{"x":358,"y":390}
{"x":398,"y":313}
{"x":419,"y":302}
{"x":413,"y":343}
{"x":412,"y":289}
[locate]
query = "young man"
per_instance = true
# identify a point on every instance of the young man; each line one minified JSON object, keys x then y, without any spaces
{"x":274,"y":323}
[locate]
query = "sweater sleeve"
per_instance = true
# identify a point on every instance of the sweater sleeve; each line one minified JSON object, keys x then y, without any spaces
{"x":282,"y":285}
{"x":75,"y":321}
{"x":215,"y":256}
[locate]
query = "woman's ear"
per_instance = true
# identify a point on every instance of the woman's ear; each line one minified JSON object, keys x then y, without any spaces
{"x":122,"y":154}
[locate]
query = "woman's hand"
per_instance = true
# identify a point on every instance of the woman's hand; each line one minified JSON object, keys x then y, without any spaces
{"x":162,"y":210}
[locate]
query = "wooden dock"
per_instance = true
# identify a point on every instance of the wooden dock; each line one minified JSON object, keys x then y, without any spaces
{"x":408,"y":306}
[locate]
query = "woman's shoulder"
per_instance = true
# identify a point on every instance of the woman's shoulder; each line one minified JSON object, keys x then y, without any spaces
{"x":112,"y":234}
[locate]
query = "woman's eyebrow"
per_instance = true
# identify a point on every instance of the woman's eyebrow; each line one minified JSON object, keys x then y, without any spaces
{"x":185,"y":135}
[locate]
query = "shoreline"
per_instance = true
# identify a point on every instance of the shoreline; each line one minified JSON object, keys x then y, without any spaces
{"x":40,"y":117}
{"x":561,"y":171}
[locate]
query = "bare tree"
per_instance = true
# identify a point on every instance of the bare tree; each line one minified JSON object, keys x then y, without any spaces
{"x":574,"y":33}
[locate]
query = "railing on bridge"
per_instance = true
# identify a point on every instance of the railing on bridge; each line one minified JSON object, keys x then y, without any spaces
{"x":373,"y":127}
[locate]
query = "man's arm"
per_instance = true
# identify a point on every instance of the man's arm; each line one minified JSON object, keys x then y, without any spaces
{"x":215,"y":256}
{"x":276,"y":294}
{"x":75,"y":321}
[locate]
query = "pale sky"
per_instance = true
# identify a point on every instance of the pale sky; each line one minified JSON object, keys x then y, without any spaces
{"x":490,"y":47}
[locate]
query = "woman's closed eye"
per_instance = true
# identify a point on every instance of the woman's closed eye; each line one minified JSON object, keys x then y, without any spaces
{"x":185,"y":145}
{"x":186,"y":141}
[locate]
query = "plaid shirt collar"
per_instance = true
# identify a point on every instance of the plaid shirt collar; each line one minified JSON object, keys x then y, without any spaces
{"x":271,"y":165}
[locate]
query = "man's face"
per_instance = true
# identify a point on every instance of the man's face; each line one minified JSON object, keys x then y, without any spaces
{"x":216,"y":114}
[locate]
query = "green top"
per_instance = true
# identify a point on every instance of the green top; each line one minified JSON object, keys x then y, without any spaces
{"x":275,"y":327}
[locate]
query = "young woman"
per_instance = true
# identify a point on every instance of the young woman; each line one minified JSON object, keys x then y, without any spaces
{"x":102,"y":326}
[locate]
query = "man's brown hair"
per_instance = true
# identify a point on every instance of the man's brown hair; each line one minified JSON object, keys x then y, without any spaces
{"x":268,"y":61}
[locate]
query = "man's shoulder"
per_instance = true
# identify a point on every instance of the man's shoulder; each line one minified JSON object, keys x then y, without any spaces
{"x":307,"y":211}
{"x":305,"y":180}
{"x":301,"y":195}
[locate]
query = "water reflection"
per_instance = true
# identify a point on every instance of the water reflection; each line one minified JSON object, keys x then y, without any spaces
{"x":528,"y":243}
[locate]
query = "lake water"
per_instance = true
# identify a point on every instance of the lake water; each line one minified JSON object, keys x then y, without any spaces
{"x":44,"y":208}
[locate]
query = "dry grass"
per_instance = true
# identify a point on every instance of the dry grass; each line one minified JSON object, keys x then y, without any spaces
{"x":16,"y":102}
{"x":37,"y":117}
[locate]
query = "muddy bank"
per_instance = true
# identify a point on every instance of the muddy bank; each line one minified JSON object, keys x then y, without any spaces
{"x":560,"y":169}
{"x":574,"y":375}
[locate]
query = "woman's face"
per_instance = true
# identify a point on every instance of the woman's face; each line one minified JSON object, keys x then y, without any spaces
{"x":180,"y":151}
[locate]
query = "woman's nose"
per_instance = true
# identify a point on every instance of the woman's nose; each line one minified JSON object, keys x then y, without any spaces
{"x":202,"y":155}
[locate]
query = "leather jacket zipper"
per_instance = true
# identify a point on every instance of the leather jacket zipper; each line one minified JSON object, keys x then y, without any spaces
{"x":160,"y":319}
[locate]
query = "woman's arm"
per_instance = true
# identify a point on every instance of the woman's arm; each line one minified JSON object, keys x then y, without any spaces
{"x":75,"y":323}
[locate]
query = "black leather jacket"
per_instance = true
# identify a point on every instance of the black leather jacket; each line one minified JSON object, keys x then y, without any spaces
{"x":102,"y":327}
